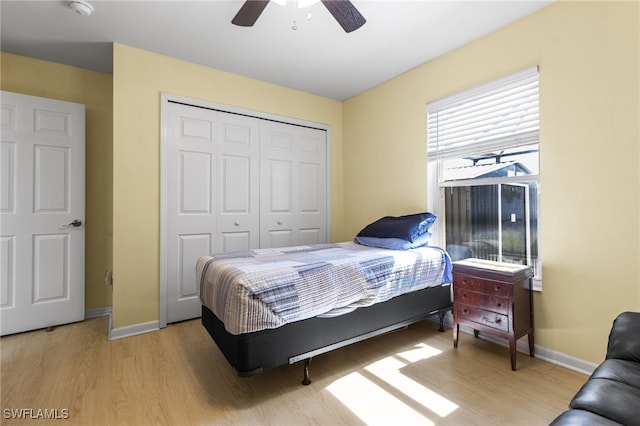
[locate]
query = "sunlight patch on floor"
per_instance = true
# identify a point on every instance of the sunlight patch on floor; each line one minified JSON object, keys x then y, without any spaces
{"x":420,"y":352}
{"x":375,"y":405}
{"x":389,"y":370}
{"x":372,"y":404}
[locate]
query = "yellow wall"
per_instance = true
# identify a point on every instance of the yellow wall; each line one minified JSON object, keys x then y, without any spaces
{"x":588,"y":53}
{"x":94,"y":90}
{"x":139,"y":77}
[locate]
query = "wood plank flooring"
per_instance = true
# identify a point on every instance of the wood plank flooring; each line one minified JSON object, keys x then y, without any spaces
{"x":177,"y":376}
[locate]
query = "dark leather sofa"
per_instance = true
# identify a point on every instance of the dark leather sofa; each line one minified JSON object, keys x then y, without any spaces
{"x":611,"y":396}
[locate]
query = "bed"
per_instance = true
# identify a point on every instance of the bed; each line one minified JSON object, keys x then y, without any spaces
{"x":269,"y":307}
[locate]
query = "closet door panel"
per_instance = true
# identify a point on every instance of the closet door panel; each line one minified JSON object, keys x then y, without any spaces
{"x":293,"y":185}
{"x":278,"y":184}
{"x":277,"y":218}
{"x":312,"y":195}
{"x":190,"y":246}
{"x":190,"y":208}
{"x":235,"y":241}
{"x":195,"y":183}
{"x":238,"y":191}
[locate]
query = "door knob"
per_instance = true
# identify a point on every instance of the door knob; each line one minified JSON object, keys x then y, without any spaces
{"x":74,"y":224}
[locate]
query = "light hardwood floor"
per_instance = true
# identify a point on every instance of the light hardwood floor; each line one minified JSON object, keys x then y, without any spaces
{"x":177,"y":376}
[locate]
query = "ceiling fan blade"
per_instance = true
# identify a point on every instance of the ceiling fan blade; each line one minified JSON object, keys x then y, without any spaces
{"x":249,"y":13}
{"x":349,"y":18}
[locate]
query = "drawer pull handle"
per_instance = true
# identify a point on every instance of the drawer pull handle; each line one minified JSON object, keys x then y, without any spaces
{"x":499,"y":305}
{"x":497,"y":288}
{"x":487,"y":320}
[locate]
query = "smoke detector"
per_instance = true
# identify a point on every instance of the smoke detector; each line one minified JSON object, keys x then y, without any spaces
{"x":81,"y":7}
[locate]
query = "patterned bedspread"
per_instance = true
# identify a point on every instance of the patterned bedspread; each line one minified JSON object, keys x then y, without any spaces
{"x":267,"y":288}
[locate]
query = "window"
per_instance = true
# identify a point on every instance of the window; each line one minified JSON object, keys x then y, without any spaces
{"x":483,"y":167}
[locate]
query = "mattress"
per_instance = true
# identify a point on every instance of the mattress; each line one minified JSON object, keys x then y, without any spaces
{"x":267,"y":288}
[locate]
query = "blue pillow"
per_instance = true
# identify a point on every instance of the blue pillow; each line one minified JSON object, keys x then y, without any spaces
{"x":407,"y":228}
{"x":394,"y":243}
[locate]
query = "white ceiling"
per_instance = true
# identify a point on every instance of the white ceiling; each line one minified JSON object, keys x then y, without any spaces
{"x":318,"y":57}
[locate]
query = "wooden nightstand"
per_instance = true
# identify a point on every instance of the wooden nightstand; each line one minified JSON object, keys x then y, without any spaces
{"x":493,"y":298}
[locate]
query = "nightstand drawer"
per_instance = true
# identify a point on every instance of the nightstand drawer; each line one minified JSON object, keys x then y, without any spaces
{"x":461,"y":281}
{"x":482,"y":316}
{"x":488,"y":301}
{"x":496,"y":288}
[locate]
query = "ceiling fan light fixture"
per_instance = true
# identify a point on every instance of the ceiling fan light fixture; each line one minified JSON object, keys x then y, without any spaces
{"x":343,"y":11}
{"x":81,"y":7}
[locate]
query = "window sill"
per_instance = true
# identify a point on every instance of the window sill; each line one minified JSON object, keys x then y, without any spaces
{"x":536,"y":284}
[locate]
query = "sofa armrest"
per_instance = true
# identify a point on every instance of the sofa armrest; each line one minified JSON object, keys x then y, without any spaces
{"x":624,"y":338}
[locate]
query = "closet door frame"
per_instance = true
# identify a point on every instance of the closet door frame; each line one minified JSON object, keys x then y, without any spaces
{"x":165,"y":100}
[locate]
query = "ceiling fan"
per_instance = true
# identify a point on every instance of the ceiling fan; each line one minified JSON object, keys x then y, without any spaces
{"x":349,"y":18}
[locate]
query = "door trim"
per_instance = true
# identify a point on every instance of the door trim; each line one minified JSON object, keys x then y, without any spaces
{"x":165,"y":100}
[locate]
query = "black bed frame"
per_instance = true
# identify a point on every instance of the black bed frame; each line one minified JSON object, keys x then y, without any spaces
{"x":252,"y":353}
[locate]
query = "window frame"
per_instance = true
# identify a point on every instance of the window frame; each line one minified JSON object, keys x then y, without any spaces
{"x":435,"y":162}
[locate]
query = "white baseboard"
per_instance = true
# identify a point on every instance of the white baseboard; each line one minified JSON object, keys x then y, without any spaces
{"x":564,"y":360}
{"x":132,"y":330}
{"x":121,"y":332}
{"x":97,"y":312}
{"x":546,"y":354}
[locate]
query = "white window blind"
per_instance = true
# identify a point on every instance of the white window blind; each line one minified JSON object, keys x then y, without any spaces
{"x":500,"y":114}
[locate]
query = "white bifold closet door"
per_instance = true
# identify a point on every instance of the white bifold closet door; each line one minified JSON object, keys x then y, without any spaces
{"x":293,"y":193}
{"x":233,"y":183}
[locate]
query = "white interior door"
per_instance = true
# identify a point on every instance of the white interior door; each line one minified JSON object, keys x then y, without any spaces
{"x":42,"y":212}
{"x":293,"y":193}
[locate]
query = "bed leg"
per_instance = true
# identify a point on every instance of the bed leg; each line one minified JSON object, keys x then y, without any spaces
{"x":441,"y":316}
{"x":306,"y":381}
